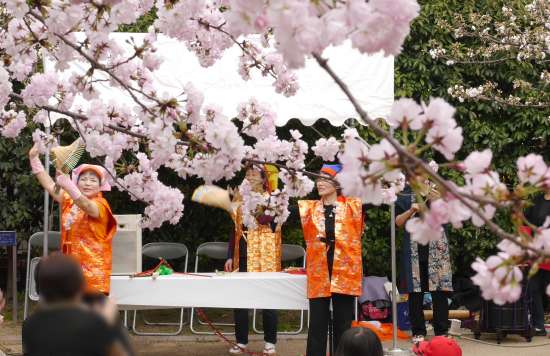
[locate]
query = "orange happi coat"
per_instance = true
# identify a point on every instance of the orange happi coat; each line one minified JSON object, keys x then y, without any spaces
{"x":89,"y":241}
{"x":347,"y":266}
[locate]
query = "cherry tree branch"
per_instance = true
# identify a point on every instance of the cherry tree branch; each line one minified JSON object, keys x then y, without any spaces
{"x":96,"y":65}
{"x":256,"y":63}
{"x":413,"y":161}
{"x":519,"y":105}
{"x":488,"y":61}
{"x":290,"y":170}
{"x":82,"y":118}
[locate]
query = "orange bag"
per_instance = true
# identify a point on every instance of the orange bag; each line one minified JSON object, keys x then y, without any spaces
{"x":384,"y":332}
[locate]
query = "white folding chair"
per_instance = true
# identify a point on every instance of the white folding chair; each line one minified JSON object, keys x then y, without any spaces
{"x":215,"y":251}
{"x":168,"y":251}
{"x":37,"y":240}
{"x":288,"y":253}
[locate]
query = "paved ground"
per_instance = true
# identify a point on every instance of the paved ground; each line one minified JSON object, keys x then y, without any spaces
{"x":10,"y":343}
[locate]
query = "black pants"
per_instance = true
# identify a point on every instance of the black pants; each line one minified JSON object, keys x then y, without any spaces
{"x":440,"y":309}
{"x":241,"y":315}
{"x":319,"y":316}
{"x":537,"y":289}
{"x":269,"y":325}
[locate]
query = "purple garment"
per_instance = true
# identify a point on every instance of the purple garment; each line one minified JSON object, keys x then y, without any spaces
{"x":373,"y":289}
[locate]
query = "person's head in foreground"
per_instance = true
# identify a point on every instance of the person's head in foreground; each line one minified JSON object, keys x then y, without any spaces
{"x":328,"y":186}
{"x":63,"y":325}
{"x":359,"y":342}
{"x":59,"y":279}
{"x":438,"y":346}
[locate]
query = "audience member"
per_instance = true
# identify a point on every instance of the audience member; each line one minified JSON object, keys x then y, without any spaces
{"x":63,"y":325}
{"x":359,"y":342}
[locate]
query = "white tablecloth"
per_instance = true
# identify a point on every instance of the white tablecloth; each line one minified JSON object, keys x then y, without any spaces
{"x":252,"y":290}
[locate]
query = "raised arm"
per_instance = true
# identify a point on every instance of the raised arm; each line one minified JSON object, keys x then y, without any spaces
{"x":43,"y":177}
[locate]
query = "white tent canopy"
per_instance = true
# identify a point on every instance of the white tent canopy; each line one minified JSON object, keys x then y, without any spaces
{"x":370,"y":79}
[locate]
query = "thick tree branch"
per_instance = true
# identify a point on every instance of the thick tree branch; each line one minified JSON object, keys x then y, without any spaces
{"x":256,"y":63}
{"x":415,"y":162}
{"x":96,"y":64}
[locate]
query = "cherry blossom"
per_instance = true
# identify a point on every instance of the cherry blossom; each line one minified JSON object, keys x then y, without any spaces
{"x":458,"y":211}
{"x":41,"y":88}
{"x":478,"y":162}
{"x":5,"y":87}
{"x":17,"y":7}
{"x":296,"y":185}
{"x":255,"y":204}
{"x":12,"y":122}
{"x":258,"y":120}
{"x":423,"y":231}
{"x":164,"y":203}
{"x":43,"y":140}
{"x":531,"y":168}
{"x":369,"y":36}
{"x":246,"y":17}
{"x":498,"y":280}
{"x":183,"y":133}
{"x":443,"y":132}
{"x":406,"y":112}
{"x":326,"y":148}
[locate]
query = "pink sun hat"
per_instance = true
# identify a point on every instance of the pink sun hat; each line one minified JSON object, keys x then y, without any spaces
{"x":100,"y":171}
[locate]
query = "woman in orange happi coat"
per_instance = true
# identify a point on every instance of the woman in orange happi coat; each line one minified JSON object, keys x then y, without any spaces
{"x":332,"y":229}
{"x":87,"y":223}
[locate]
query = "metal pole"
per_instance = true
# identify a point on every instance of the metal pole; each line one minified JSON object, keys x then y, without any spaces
{"x":14,"y":279}
{"x":393,"y":279}
{"x":394,"y":350}
{"x":46,"y":200}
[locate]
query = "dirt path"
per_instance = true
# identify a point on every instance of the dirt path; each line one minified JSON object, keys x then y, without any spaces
{"x":10,"y":343}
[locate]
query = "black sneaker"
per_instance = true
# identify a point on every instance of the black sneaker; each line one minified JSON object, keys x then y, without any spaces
{"x":540,"y":332}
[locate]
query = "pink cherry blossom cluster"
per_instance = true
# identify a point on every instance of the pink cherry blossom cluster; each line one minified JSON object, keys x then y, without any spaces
{"x":304,"y":27}
{"x":297,"y":184}
{"x":180,"y":132}
{"x":190,"y":22}
{"x":293,"y":153}
{"x":164,"y":203}
{"x":251,"y":201}
{"x":254,"y":204}
{"x":5,"y":87}
{"x":229,"y":150}
{"x":498,"y":279}
{"x":369,"y":172}
{"x":12,"y":122}
{"x":40,"y":89}
{"x":436,"y":118}
{"x":258,"y":120}
{"x":326,"y":148}
{"x":269,"y":63}
{"x":43,"y":141}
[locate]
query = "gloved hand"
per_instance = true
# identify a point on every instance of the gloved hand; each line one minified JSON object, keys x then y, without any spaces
{"x":65,"y":182}
{"x":36,"y":165}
